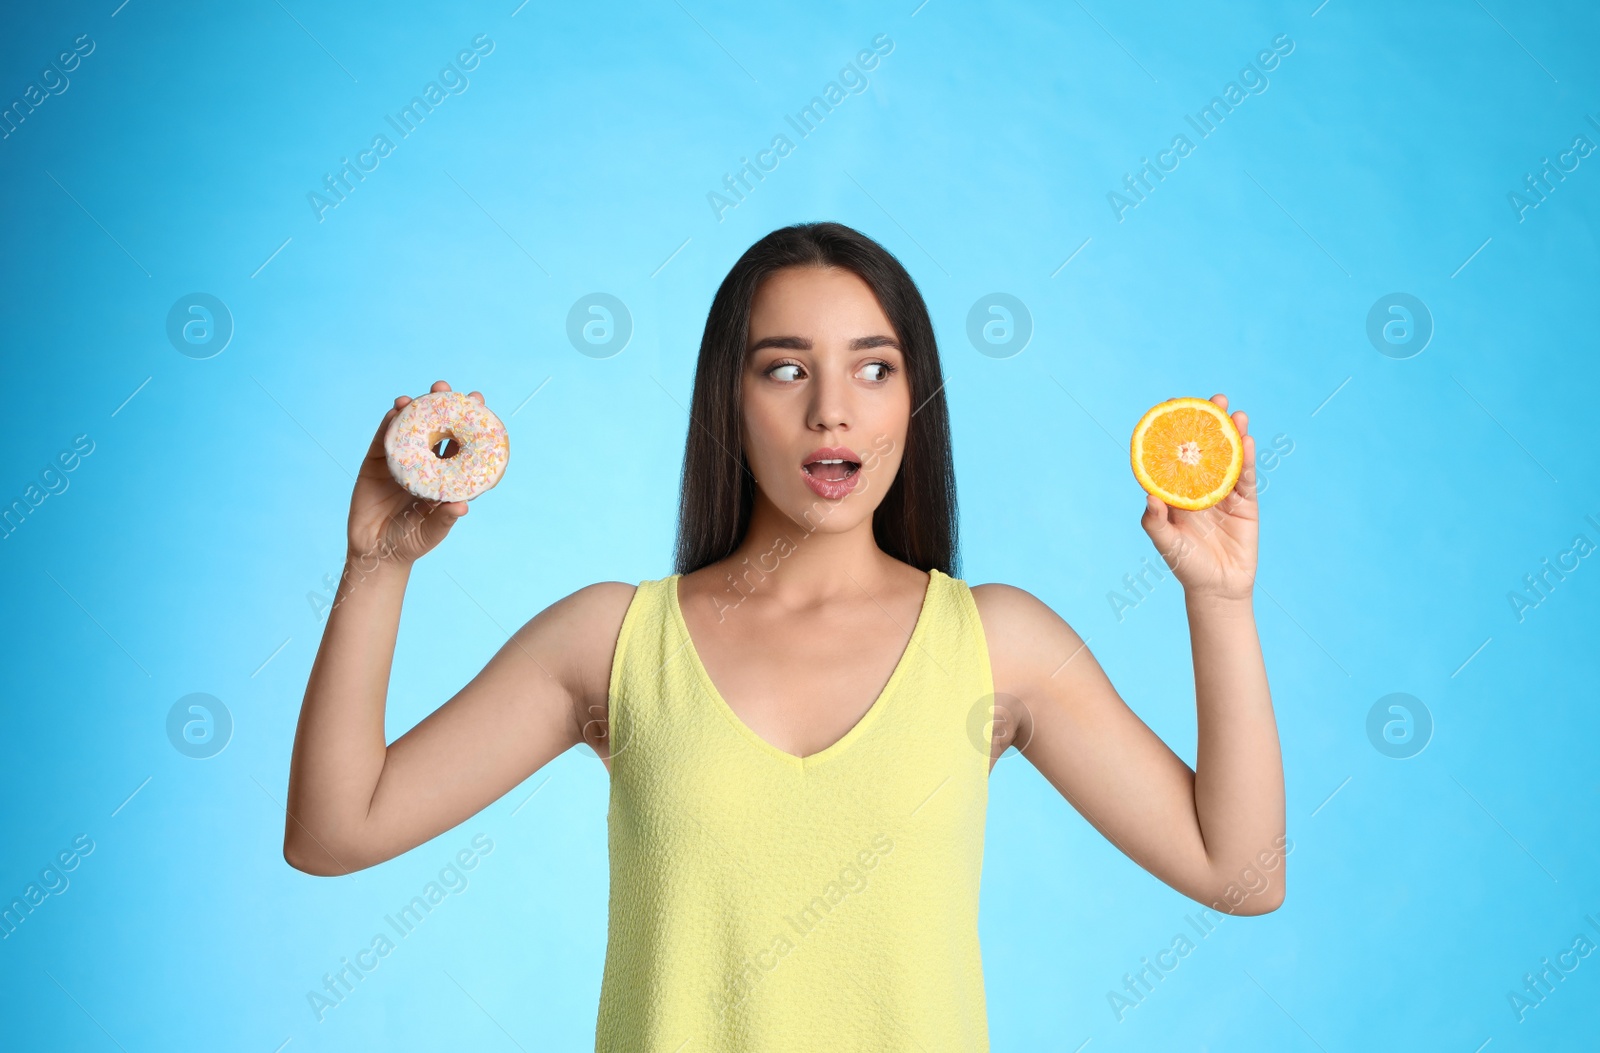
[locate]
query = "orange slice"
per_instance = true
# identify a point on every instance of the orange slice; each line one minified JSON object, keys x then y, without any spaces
{"x":1187,"y":452}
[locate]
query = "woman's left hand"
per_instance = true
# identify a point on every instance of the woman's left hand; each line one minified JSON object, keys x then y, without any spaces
{"x":1212,"y":552}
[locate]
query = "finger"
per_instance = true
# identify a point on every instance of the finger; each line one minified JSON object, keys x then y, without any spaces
{"x":439,"y":385}
{"x":430,"y":520}
{"x":1241,"y":420}
{"x":417,"y":509}
{"x":1221,"y":400}
{"x":476,"y":395}
{"x":449,"y":508}
{"x":1246,"y":488}
{"x":1157,"y":522}
{"x":376,"y":449}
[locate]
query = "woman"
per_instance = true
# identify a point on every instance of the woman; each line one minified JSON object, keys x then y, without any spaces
{"x":800,"y":722}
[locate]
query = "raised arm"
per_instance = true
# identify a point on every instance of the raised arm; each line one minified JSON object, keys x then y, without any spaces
{"x":354,"y":801}
{"x":1215,"y":833}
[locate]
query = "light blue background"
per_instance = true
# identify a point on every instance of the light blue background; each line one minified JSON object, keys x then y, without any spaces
{"x":182,"y":555}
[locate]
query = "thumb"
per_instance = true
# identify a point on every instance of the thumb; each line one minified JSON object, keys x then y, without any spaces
{"x":445,"y":515}
{"x":437,"y":519}
{"x":1157,"y":522}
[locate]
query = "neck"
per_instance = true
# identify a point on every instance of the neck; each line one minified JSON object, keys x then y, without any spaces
{"x":818,"y":556}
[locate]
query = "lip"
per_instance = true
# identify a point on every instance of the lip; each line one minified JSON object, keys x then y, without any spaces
{"x":831,"y":489}
{"x":826,"y":452}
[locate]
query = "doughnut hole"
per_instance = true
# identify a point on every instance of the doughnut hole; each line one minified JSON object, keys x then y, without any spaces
{"x":443,"y":444}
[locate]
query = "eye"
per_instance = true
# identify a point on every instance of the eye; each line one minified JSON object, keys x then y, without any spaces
{"x":888,"y":370}
{"x":773,"y":369}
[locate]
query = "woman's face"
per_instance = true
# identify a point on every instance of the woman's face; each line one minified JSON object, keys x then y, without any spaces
{"x":824,"y":380}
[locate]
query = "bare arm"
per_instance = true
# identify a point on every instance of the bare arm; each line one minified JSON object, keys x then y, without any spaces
{"x":1216,"y":833}
{"x":354,"y":801}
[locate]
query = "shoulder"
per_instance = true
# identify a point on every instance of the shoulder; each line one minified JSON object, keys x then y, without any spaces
{"x":1013,"y":610}
{"x":579,"y":634}
{"x":603,"y":595}
{"x":1027,"y":639}
{"x":596,"y":606}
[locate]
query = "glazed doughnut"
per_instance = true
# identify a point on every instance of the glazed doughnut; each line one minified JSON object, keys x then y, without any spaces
{"x":418,"y":428}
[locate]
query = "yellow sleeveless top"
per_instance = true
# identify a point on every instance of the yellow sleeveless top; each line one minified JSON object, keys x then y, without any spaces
{"x":765,"y":902}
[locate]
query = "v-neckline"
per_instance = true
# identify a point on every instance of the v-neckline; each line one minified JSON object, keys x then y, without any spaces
{"x":860,"y":727}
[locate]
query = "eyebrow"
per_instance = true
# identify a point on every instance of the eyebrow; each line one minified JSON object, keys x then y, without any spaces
{"x":800,"y":343}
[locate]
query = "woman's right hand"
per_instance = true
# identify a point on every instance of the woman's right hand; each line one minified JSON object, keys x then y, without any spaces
{"x":387,"y":522}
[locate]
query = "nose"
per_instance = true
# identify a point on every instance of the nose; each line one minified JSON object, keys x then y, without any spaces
{"x":829,"y":409}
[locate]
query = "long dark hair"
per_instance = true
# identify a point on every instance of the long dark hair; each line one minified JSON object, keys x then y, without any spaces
{"x":916,"y":521}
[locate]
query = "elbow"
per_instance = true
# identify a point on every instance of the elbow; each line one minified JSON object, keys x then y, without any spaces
{"x":313,"y":858}
{"x":1260,"y":893}
{"x":1267,"y":902}
{"x":302,"y":861}
{"x":1258,"y":887}
{"x":324,"y":847}
{"x":1249,"y":904}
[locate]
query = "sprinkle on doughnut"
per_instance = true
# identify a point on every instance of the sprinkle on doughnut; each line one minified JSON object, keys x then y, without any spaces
{"x":478,"y":462}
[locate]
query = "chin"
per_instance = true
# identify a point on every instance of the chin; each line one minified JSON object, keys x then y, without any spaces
{"x":818,"y":514}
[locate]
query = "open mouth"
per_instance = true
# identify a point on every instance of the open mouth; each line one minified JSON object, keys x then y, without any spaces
{"x":832,"y":469}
